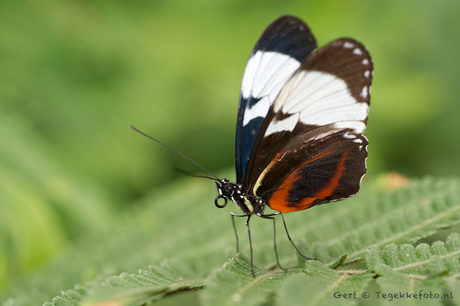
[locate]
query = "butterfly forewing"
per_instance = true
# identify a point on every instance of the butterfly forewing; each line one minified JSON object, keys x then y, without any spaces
{"x":310,"y":148}
{"x":278,"y":53}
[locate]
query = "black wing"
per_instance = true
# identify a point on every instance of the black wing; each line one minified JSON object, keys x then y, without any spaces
{"x":278,"y":53}
{"x":310,"y":148}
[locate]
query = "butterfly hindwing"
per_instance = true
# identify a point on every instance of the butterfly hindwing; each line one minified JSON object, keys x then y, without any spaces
{"x":278,"y":53}
{"x":321,"y":171}
{"x":310,"y":148}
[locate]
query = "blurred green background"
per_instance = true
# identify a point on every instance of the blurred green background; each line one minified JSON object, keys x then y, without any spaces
{"x":75,"y":74}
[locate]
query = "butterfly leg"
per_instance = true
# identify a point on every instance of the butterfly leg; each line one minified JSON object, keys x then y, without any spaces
{"x":289,"y":237}
{"x":236,"y":233}
{"x":274,"y":238}
{"x":249,"y":235}
{"x":250,"y":245}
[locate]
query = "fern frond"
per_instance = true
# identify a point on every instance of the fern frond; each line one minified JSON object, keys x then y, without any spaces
{"x":322,"y":286}
{"x":315,"y":285}
{"x":133,"y":289}
{"x":401,"y":216}
{"x":409,"y":289}
{"x":422,"y":259}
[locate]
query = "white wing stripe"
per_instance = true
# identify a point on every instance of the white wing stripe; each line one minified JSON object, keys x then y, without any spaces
{"x":265,"y":75}
{"x":260,"y":109}
{"x":264,"y":69}
{"x":351,"y":112}
{"x":277,"y":81}
{"x":320,"y":99}
{"x":358,"y":126}
{"x":307,"y":84}
{"x":287,"y":124}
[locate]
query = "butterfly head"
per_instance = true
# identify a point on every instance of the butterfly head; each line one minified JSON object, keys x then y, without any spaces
{"x":228,"y":190}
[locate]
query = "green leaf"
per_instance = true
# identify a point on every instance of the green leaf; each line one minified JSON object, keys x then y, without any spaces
{"x":233,"y":284}
{"x":314,"y":285}
{"x":339,"y":262}
{"x":202,"y":238}
{"x":437,"y":259}
{"x":406,"y":289}
{"x":134,"y":289}
{"x":401,"y":216}
{"x":322,"y":286}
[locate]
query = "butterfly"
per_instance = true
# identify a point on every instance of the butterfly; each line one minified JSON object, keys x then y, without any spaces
{"x":299,"y":133}
{"x":301,"y":117}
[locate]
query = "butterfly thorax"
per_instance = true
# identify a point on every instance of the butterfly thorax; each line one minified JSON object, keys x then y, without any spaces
{"x":249,"y":204}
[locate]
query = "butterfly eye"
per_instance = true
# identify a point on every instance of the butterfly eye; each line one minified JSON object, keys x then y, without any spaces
{"x":216,"y":201}
{"x":227,"y":189}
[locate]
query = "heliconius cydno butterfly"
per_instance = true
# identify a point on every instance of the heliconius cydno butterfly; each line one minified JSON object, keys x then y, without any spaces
{"x":301,"y":117}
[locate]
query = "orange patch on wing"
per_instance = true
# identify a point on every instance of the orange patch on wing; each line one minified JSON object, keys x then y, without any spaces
{"x":279,"y":200}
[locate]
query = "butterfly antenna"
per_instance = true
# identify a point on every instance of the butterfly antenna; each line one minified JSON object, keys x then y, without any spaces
{"x":191,"y":174}
{"x":184,"y":156}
